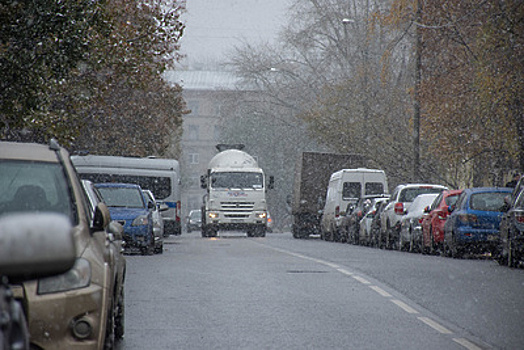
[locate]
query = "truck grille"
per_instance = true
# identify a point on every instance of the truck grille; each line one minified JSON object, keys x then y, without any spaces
{"x":237,"y":207}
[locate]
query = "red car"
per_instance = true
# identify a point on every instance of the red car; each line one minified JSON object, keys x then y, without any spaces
{"x":433,"y":223}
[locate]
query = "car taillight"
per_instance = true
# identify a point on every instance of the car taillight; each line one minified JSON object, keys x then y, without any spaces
{"x":337,"y":211}
{"x":519,"y":217}
{"x":178,"y":209}
{"x":467,"y":218}
{"x":399,"y":208}
{"x":359,"y":214}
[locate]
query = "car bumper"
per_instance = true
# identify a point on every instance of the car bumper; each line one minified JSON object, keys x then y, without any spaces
{"x":56,"y":320}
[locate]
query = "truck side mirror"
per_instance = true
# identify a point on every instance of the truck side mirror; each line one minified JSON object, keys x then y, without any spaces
{"x":203,"y":181}
{"x":271,"y":184}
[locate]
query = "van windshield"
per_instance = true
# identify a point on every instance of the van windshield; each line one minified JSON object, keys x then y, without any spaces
{"x":237,"y":180}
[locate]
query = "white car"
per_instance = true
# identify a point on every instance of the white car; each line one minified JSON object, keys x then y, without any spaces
{"x":365,"y":224}
{"x":158,"y":221}
{"x":410,"y":237}
{"x":398,"y":204}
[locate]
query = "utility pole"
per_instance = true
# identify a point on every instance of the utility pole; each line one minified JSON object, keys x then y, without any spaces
{"x":416,"y":96}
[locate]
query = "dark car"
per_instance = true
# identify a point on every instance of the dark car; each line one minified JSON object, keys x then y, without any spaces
{"x":511,"y":247}
{"x":129,"y":207}
{"x":350,"y":223}
{"x":194,"y":220}
{"x":473,"y":226}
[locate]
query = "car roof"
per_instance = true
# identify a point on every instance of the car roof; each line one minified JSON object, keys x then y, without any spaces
{"x":488,"y":189}
{"x":117,"y":184}
{"x":27,"y":151}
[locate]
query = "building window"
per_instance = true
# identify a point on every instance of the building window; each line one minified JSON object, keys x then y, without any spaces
{"x":193,"y":132}
{"x":193,"y":158}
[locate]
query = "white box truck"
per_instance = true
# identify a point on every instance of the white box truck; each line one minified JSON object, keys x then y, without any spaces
{"x":236,"y":193}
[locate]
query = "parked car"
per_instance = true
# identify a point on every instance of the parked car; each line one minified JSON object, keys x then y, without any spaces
{"x":194,"y":220}
{"x":398,"y":203}
{"x":473,"y":226}
{"x":410,"y":237}
{"x":73,"y":309}
{"x":116,"y":259}
{"x":433,"y":223}
{"x":158,"y":222}
{"x":350,"y":223}
{"x":129,"y":207}
{"x":378,"y":240}
{"x":511,"y":245}
{"x":366,"y":224}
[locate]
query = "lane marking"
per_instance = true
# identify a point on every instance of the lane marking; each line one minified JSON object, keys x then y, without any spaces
{"x":345,"y":272}
{"x":381,"y":291}
{"x":436,"y":326}
{"x":361,"y":279}
{"x":404,"y":306}
{"x":466,"y":343}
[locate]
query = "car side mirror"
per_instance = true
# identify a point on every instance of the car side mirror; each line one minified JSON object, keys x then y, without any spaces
{"x":35,"y":245}
{"x":101,"y":217}
{"x":163,"y":207}
{"x":450,"y":209}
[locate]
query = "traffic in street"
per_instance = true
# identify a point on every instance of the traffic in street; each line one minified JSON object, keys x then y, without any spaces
{"x":234,"y":292}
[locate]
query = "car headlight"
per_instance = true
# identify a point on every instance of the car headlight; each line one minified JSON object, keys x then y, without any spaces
{"x":78,"y":277}
{"x":140,"y":220}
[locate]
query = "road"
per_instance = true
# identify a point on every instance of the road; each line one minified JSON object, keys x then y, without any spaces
{"x":281,"y":293}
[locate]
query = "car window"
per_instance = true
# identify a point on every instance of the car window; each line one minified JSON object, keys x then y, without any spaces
{"x":452,"y":200}
{"x":487,"y":201}
{"x":409,"y":194}
{"x":374,"y":188}
{"x":351,"y":190}
{"x":34,"y":186}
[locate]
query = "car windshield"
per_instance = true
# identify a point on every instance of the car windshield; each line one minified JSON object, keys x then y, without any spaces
{"x":34,"y":186}
{"x":244,"y":180}
{"x":129,"y":197}
{"x":488,"y":201}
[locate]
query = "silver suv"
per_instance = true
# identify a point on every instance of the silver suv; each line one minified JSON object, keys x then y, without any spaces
{"x":398,"y":204}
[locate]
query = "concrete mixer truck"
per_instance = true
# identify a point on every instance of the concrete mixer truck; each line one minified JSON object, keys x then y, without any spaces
{"x":236,"y":193}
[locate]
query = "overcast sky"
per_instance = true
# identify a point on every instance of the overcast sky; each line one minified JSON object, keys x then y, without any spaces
{"x":214,"y":27}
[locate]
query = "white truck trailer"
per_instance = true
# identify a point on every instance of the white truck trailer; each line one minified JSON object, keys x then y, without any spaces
{"x":236,"y":193}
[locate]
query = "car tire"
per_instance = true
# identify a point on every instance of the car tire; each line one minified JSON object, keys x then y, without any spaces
{"x":120,"y":316}
{"x":109,"y":340}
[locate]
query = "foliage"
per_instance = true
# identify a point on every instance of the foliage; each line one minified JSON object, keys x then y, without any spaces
{"x":112,"y":99}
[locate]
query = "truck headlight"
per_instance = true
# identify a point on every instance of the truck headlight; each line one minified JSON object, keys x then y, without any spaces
{"x":78,"y":277}
{"x":212,"y":215}
{"x":140,"y":220}
{"x":261,"y":215}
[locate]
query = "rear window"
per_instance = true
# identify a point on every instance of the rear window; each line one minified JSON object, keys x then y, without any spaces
{"x":487,"y":201}
{"x":451,"y":200}
{"x":34,"y":186}
{"x":374,"y":188}
{"x":351,"y":190}
{"x":409,"y":194}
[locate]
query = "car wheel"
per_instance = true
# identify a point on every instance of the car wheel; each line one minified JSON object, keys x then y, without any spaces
{"x":511,"y":254}
{"x":109,"y":341}
{"x":120,"y":316}
{"x":456,"y":250}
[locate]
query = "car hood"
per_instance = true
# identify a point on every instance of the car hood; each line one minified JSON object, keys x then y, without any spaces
{"x":125,"y":213}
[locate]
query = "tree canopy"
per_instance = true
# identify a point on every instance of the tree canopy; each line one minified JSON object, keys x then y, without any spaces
{"x":89,"y":73}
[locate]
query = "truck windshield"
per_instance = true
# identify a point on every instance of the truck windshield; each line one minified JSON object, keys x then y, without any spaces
{"x":237,"y":180}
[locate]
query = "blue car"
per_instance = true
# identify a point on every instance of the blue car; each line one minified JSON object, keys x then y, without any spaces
{"x":473,"y":225}
{"x":129,"y":207}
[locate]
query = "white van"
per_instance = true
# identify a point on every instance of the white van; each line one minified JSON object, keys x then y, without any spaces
{"x":346,"y":187}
